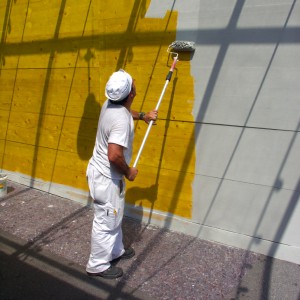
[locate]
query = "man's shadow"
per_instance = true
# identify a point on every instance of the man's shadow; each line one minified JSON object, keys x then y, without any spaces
{"x":88,"y":127}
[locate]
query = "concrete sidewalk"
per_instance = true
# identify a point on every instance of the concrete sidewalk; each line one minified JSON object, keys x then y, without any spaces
{"x":44,"y":246}
{"x":39,"y":274}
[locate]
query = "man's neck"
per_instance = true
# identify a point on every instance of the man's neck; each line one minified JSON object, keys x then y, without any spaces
{"x":127,"y":104}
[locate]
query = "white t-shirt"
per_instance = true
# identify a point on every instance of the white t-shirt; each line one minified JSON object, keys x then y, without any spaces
{"x":115,"y":126}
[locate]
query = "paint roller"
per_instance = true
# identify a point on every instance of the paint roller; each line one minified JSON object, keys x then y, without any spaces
{"x":173,"y":49}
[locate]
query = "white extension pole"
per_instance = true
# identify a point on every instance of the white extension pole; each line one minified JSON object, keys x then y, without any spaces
{"x":157,"y":106}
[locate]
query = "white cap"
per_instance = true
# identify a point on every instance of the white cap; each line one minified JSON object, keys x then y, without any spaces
{"x":118,"y":86}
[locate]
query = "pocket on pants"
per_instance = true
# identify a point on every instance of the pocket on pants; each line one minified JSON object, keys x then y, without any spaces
{"x":107,"y":217}
{"x":113,"y":218}
{"x":122,"y":185}
{"x":100,"y":186}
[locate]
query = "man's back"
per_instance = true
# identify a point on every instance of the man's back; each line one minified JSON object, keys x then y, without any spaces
{"x":115,"y":126}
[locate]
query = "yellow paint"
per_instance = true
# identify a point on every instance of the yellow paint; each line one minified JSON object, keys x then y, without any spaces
{"x":4,"y":114}
{"x":23,"y":128}
{"x":7,"y":81}
{"x":28,"y":159}
{"x":2,"y":146}
{"x":70,"y":170}
{"x":55,"y":61}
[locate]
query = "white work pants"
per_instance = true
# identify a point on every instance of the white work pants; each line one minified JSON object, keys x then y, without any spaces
{"x":107,"y":238}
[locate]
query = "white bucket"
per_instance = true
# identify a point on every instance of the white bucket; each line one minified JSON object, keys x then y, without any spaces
{"x":3,"y":184}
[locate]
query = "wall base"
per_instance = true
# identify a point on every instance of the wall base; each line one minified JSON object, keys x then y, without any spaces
{"x":171,"y":222}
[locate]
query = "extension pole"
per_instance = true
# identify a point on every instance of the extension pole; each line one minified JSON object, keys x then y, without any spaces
{"x":168,"y":79}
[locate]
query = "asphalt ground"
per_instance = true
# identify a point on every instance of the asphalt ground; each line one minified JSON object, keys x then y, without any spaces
{"x":44,"y":246}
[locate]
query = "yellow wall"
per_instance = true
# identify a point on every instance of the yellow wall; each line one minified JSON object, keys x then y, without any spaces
{"x":56,"y":57}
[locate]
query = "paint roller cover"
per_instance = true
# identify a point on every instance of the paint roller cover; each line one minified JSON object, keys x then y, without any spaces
{"x":182,"y":46}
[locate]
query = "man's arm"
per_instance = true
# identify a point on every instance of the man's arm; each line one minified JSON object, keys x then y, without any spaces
{"x":147,"y":117}
{"x":116,"y":157}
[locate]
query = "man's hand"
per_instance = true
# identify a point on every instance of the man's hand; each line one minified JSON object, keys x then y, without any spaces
{"x":131,"y":174}
{"x":151,"y":116}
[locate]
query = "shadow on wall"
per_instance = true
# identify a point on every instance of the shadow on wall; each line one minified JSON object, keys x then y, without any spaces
{"x":138,"y":11}
{"x":88,"y":127}
{"x":89,"y":120}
